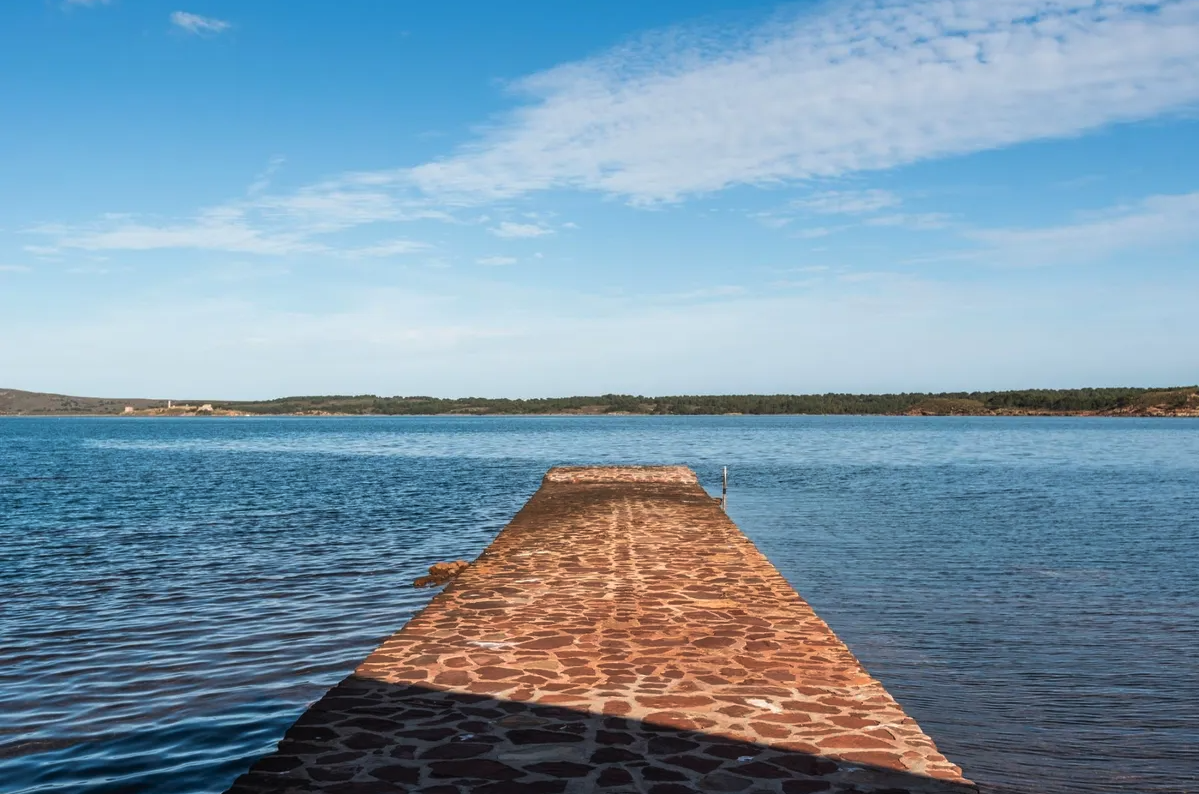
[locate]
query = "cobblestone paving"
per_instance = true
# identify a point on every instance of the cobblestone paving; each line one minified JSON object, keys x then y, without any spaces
{"x":620,"y":635}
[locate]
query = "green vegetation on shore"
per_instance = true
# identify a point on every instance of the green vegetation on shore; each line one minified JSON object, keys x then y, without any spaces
{"x":1177,"y":401}
{"x":1111,"y":400}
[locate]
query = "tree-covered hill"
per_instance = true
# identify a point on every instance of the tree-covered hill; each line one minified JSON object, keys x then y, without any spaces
{"x":1103,"y":400}
{"x":1113,"y":401}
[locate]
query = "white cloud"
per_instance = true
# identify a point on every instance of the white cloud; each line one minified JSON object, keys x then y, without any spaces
{"x":771,"y":220}
{"x":815,"y":232}
{"x":828,"y":202}
{"x":851,"y":88}
{"x":219,"y":229}
{"x":390,"y":248}
{"x":332,"y":206}
{"x":510,"y":229}
{"x":13,"y":269}
{"x":921,"y":221}
{"x":847,"y":202}
{"x":707,"y":293}
{"x":1153,"y":221}
{"x":87,"y":2}
{"x":851,"y":202}
{"x":496,"y":260}
{"x":868,"y":275}
{"x":804,"y":283}
{"x":272,"y":224}
{"x":263,"y":180}
{"x":194,"y":23}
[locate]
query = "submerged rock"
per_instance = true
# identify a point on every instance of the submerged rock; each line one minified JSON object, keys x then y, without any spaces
{"x":441,"y":572}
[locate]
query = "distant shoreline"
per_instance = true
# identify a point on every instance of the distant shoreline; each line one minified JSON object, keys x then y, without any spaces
{"x":1115,"y":402}
{"x":577,"y":415}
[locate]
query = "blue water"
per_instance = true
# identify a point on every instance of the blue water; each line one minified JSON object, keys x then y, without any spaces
{"x":174,"y":592}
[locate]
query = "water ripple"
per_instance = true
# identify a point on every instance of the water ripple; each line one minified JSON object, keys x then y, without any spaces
{"x":176,"y":592}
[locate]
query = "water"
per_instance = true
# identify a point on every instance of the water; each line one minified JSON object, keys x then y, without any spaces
{"x":173,"y":593}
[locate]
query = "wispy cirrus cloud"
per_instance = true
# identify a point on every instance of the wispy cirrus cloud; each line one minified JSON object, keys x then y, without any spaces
{"x":496,"y":261}
{"x":847,"y":202}
{"x":263,"y":180}
{"x":389,"y":248}
{"x":920,"y":221}
{"x":194,"y":23}
{"x":261,"y":223}
{"x":329,"y":208}
{"x":218,"y":229}
{"x":509,"y":229}
{"x":848,"y":88}
{"x":13,"y":269}
{"x":832,"y":202}
{"x":816,"y":232}
{"x":707,"y":293}
{"x":1153,"y":221}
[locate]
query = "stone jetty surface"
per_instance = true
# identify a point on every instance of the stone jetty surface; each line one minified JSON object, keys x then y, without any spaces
{"x":620,"y":635}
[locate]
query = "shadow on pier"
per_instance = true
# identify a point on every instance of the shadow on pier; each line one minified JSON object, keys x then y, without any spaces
{"x":372,"y":737}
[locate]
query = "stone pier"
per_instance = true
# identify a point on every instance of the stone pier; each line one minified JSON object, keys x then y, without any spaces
{"x":620,"y":635}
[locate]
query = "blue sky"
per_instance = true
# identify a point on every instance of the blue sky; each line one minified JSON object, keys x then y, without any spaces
{"x":238,"y":200}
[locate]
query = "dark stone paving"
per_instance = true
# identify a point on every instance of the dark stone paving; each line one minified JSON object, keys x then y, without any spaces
{"x":620,"y":635}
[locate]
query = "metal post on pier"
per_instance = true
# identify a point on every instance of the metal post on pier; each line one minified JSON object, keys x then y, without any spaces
{"x":724,"y":491}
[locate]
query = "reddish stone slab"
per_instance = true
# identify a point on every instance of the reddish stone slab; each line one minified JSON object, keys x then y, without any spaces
{"x":620,"y":635}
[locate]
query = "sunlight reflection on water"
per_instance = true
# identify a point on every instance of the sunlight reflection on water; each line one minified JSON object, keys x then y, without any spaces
{"x":175,"y":592}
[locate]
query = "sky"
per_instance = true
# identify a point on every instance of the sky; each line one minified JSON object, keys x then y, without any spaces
{"x":231,"y":200}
